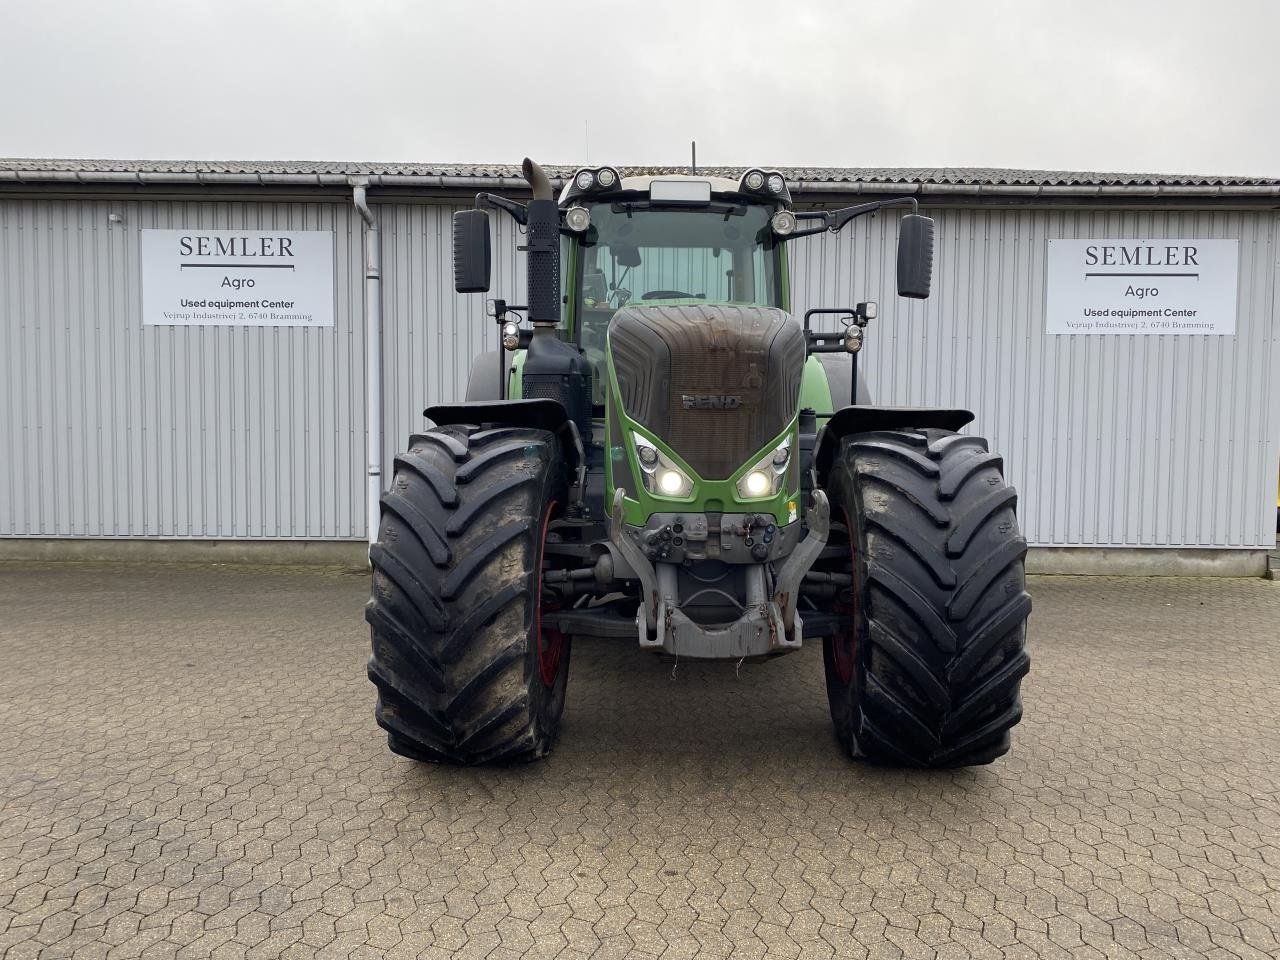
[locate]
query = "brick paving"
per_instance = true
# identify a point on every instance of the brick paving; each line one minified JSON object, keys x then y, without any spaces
{"x":189,"y":767}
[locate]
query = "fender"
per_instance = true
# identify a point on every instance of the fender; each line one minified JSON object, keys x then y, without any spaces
{"x":537,"y":414}
{"x":485,"y":380}
{"x":864,"y":419}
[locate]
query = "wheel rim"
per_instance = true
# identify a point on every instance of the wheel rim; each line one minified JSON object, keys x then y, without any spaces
{"x":844,"y":645}
{"x":548,"y":641}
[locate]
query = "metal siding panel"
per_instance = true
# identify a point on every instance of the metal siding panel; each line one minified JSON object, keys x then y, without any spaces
{"x":431,"y":334}
{"x":1270,"y":440}
{"x":45,"y":382}
{"x":1111,"y":441}
{"x":112,"y":429}
{"x":12,"y":415}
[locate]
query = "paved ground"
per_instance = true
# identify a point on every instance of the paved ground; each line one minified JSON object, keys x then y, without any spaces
{"x":188,"y":766}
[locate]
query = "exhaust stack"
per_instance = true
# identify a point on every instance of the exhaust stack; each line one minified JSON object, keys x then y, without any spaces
{"x":543,"y":248}
{"x":539,"y":182}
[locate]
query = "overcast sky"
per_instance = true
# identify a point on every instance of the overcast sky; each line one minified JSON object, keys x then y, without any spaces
{"x":1172,"y":86}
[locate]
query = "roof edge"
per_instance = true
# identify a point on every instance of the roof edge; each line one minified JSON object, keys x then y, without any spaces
{"x":847,"y":182}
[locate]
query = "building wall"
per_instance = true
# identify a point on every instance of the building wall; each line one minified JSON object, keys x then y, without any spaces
{"x":112,"y":429}
{"x":1151,"y":441}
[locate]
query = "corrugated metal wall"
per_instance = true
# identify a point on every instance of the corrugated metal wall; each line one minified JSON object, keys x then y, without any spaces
{"x":110,"y":428}
{"x":431,"y":334}
{"x":114,"y":429}
{"x":1151,"y":441}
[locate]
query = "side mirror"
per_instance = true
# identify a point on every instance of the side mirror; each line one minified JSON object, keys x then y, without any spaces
{"x":915,"y":256}
{"x":471,"y":251}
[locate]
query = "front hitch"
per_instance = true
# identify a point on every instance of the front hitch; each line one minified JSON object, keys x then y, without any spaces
{"x":787,"y":586}
{"x":769,"y":624}
{"x":646,"y":615}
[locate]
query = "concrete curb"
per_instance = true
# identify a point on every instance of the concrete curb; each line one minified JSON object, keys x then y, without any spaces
{"x":1146,"y":562}
{"x":348,"y":554}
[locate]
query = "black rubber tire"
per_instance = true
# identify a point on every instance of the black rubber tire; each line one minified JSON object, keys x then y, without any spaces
{"x":454,"y":610}
{"x":928,"y":673}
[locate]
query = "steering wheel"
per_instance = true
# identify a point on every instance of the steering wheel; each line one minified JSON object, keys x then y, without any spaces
{"x":669,"y":295}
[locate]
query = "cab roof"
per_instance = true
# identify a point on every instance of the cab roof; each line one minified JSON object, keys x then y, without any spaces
{"x":642,"y":183}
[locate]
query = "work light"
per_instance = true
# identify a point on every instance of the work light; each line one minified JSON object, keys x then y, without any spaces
{"x":776,"y":183}
{"x":585,"y":180}
{"x":783,"y":222}
{"x":754,"y":180}
{"x":577,"y":219}
{"x":607,"y":177}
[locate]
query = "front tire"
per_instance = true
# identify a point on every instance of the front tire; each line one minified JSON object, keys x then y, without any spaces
{"x":926,"y":671}
{"x":464,"y":671}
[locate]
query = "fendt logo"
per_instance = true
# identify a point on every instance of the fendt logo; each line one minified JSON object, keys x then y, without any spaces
{"x":710,"y":401}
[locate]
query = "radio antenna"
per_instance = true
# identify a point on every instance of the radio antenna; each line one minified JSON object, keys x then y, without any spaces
{"x":693,"y":148}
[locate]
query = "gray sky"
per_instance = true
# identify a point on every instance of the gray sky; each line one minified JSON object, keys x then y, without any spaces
{"x":1172,"y":86}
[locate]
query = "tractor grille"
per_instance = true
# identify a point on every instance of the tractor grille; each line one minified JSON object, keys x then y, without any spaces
{"x":715,"y":382}
{"x":551,"y":390}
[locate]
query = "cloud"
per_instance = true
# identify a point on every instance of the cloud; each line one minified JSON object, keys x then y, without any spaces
{"x":1172,"y":87}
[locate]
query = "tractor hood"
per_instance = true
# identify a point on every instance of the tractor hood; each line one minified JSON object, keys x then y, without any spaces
{"x":714,"y":382}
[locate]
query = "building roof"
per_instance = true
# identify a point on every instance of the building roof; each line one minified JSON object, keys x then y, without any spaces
{"x":925,"y":180}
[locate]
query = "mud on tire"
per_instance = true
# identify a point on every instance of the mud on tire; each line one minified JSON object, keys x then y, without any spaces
{"x":464,"y":672}
{"x":927,"y":672}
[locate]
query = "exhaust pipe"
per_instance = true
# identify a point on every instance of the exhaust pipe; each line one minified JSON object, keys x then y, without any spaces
{"x":543,"y":249}
{"x":539,"y":182}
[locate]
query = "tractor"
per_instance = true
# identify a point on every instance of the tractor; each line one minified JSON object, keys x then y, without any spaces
{"x":660,"y":454}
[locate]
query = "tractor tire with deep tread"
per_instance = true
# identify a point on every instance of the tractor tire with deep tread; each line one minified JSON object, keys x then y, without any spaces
{"x":928,"y":672}
{"x":464,"y":672}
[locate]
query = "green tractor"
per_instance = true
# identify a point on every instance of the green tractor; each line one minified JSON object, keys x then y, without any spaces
{"x":661,"y":454}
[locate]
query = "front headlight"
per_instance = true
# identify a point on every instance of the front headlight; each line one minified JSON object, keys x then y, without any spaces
{"x":660,"y":476}
{"x":765,"y":476}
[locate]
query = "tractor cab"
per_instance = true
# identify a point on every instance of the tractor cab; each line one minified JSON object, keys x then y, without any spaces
{"x":669,"y":239}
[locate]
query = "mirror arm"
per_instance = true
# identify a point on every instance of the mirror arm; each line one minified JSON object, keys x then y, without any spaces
{"x":519,"y":211}
{"x":807,"y":232}
{"x":835,"y":220}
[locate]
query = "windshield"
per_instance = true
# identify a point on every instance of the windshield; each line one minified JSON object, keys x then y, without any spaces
{"x":635,"y":254}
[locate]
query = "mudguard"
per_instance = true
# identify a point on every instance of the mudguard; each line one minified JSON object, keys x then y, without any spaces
{"x":863,"y":419}
{"x":485,"y":381}
{"x":537,"y":414}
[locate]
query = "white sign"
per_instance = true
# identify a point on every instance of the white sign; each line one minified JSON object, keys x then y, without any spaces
{"x":1143,"y":286}
{"x":237,"y":278}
